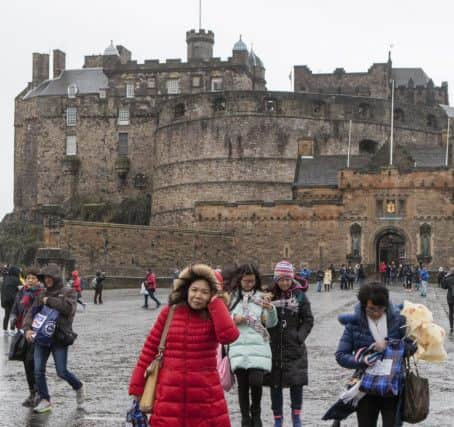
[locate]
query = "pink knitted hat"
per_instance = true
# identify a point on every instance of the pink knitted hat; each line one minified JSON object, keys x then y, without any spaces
{"x":284,"y":270}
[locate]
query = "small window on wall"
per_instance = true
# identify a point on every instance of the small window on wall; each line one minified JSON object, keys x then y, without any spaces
{"x":173,"y":86}
{"x":151,"y":83}
{"x":217,"y":84}
{"x":102,"y":94}
{"x":379,"y":208}
{"x":72,"y":90}
{"x":220,"y":104}
{"x":71,"y":116}
{"x":130,"y":90}
{"x":71,"y":145}
{"x":123,"y":116}
{"x":180,"y":110}
{"x":196,"y":81}
{"x":123,"y":144}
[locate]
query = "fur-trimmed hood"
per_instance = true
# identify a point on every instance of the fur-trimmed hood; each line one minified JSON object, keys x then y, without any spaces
{"x":358,"y":316}
{"x":196,"y":271}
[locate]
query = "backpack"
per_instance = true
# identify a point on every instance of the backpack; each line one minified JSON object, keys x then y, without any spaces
{"x":94,"y":283}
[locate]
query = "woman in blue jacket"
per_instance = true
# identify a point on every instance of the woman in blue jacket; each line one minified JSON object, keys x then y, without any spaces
{"x":250,"y":354}
{"x":374,"y":321}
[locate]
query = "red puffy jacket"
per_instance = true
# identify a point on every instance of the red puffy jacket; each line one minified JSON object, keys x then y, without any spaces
{"x":150,"y":281}
{"x":76,"y":282}
{"x":189,"y":393}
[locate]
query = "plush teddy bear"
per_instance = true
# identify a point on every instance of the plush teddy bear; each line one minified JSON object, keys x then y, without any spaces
{"x":428,"y":335}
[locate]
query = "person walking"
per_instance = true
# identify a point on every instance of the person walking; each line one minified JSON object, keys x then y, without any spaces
{"x":328,"y":279}
{"x":350,"y":276}
{"x":98,"y":283}
{"x":374,"y":322}
{"x":23,"y":302}
{"x":333,"y":275}
{"x":77,"y":286}
{"x":250,"y":354}
{"x":63,"y":300}
{"x":424,"y":276}
{"x":150,"y":286}
{"x":408,"y":272}
{"x":361,"y":275}
{"x":10,"y":288}
{"x":382,"y":271}
{"x":289,"y":354}
{"x":448,"y":283}
{"x":440,"y":276}
{"x":319,"y":277}
{"x":189,"y":391}
{"x":343,"y":277}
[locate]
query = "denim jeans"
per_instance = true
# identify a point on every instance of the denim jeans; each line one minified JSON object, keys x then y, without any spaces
{"x":319,"y":285}
{"x":423,"y":288}
{"x":277,"y":399}
{"x":60,"y":355}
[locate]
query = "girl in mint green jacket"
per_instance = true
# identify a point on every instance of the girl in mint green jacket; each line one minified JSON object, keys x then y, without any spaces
{"x":250,"y":354}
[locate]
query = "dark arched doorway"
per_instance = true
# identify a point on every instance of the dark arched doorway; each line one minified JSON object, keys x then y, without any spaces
{"x":391,"y":246}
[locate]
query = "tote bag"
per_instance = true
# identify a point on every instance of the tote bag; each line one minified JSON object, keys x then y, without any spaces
{"x":44,"y":325}
{"x":416,"y":396}
{"x":224,"y":370}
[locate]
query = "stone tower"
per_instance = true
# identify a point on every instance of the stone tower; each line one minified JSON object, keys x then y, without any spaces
{"x":200,"y":45}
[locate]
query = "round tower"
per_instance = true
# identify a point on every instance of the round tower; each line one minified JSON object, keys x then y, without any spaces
{"x":200,"y":45}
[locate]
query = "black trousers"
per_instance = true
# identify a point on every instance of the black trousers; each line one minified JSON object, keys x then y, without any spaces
{"x":249,"y":379}
{"x":451,"y":315}
{"x":29,"y":366}
{"x":151,"y":295}
{"x":369,"y":408}
{"x":98,"y":294}
{"x":7,"y":308}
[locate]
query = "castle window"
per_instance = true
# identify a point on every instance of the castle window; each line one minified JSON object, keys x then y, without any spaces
{"x":71,"y":116}
{"x":270,"y":105}
{"x":364,"y":110}
{"x":399,"y":115}
{"x":401,"y":208}
{"x":173,"y":86}
{"x":180,"y":110}
{"x":123,"y":144}
{"x":72,"y":90}
{"x":129,"y":90}
{"x":379,"y":208}
{"x":123,"y":116}
{"x":71,"y":145}
{"x":367,"y":146}
{"x":151,"y":83}
{"x":217,"y":84}
{"x":102,"y":94}
{"x":219,"y":104}
{"x":196,"y":81}
{"x":431,"y":121}
{"x":318,"y":107}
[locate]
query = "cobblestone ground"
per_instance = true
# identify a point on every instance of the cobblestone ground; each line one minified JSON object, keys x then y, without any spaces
{"x":110,"y":338}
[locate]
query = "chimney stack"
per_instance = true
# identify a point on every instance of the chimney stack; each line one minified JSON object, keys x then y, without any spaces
{"x":59,"y":62}
{"x":40,"y":68}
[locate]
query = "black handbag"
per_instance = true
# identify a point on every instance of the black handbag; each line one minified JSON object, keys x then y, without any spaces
{"x":18,"y":347}
{"x":64,"y":338}
{"x":416,"y":395}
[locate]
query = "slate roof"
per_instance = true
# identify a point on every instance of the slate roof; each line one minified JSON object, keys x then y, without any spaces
{"x":402,"y":76}
{"x":88,"y":80}
{"x":427,"y":157}
{"x":322,"y":171}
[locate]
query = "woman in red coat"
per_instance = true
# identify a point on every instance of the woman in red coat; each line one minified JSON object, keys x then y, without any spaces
{"x":189,"y":393}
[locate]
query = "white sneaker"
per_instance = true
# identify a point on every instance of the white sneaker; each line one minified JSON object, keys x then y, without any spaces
{"x":42,"y":407}
{"x":80,"y":395}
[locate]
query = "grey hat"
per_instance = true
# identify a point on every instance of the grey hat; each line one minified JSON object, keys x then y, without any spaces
{"x":50,"y":270}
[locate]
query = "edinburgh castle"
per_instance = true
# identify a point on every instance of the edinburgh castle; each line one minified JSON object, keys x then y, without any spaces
{"x":128,"y":165}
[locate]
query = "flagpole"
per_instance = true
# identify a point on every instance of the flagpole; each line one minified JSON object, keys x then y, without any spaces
{"x":392,"y":125}
{"x":447,"y":143}
{"x":349,"y":142}
{"x":200,"y":14}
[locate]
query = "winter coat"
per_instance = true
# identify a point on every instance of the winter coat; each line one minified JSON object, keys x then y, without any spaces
{"x":59,"y":297}
{"x":289,"y":363}
{"x":150,"y":282}
{"x":424,"y":275}
{"x":23,"y":302}
{"x":76,"y":285}
{"x":250,"y":350}
{"x":357,"y":335}
{"x":328,"y":277}
{"x":10,"y":287}
{"x":448,"y":283}
{"x":189,"y":393}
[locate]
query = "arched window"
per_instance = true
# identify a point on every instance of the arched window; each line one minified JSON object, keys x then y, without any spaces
{"x":180,"y":110}
{"x":425,"y":235}
{"x":368,"y":146}
{"x":399,"y":115}
{"x":270,"y":105}
{"x":355,"y":235}
{"x":318,"y":107}
{"x":431,"y":121}
{"x":219,"y":103}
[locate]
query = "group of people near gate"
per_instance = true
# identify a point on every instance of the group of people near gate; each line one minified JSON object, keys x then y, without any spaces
{"x":262,"y":332}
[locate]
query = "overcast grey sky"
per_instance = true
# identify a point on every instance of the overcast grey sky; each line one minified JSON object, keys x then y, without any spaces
{"x":323,"y":34}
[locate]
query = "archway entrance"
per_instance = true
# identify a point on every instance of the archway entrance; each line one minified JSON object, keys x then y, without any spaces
{"x":391,"y":246}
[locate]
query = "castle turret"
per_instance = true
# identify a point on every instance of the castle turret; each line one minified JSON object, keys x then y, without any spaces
{"x":200,"y":45}
{"x":240,"y":52}
{"x":40,"y":68}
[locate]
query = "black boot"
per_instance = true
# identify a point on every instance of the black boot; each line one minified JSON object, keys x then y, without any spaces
{"x":256,"y":395}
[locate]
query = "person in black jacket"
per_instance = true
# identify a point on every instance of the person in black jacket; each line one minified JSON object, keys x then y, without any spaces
{"x":448,"y":283}
{"x":10,"y":288}
{"x":289,"y":354}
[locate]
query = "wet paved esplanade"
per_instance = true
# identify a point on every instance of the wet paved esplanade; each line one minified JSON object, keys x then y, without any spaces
{"x":111,"y":336}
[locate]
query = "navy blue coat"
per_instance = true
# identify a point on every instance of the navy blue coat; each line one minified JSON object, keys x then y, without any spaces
{"x":357,"y":335}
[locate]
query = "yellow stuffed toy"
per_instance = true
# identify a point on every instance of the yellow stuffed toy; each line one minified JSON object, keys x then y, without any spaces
{"x":428,"y":336}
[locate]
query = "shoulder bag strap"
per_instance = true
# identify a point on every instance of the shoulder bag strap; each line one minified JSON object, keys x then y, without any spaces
{"x":162,"y":344}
